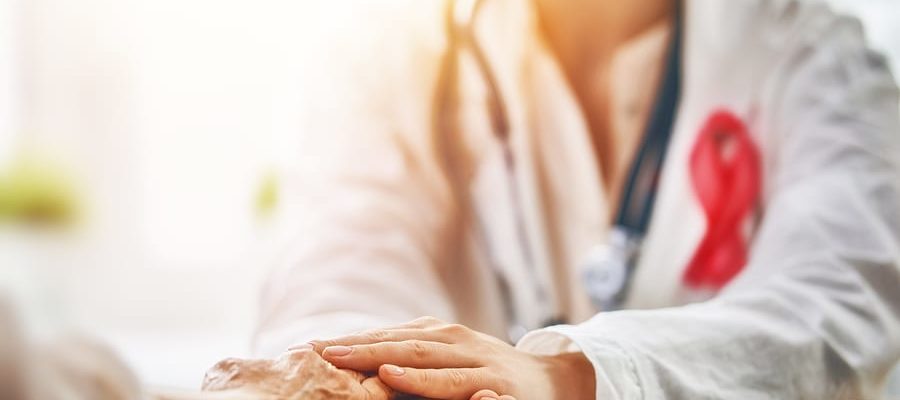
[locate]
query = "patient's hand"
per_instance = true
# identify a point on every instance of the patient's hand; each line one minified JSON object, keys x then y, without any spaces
{"x":296,"y":375}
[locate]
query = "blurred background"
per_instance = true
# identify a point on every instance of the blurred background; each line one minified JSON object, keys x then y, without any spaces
{"x":145,"y":139}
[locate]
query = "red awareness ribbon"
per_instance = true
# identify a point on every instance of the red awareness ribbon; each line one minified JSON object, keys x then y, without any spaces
{"x":725,"y":170}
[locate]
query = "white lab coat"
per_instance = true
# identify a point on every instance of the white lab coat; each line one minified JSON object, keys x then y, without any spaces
{"x":385,"y":224}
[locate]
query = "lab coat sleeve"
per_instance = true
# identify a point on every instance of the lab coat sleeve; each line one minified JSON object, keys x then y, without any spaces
{"x":816,"y":312}
{"x":366,"y":210}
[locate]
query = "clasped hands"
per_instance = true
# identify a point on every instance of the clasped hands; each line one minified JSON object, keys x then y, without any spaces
{"x":426,"y":358}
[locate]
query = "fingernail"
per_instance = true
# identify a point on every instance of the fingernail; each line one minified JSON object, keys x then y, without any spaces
{"x":394,"y":370}
{"x":337,"y":351}
{"x":301,"y":347}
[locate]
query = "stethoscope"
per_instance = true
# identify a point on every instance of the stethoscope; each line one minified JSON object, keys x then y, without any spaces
{"x":609,"y":267}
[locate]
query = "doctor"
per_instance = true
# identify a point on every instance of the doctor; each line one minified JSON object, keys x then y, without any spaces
{"x":676,"y":200}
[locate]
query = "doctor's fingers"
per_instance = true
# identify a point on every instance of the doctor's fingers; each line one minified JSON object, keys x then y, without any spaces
{"x":449,"y":383}
{"x":444,"y":333}
{"x":410,"y":353}
{"x":373,"y":337}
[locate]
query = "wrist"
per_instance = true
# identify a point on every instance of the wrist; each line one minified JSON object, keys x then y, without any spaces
{"x":572,"y":376}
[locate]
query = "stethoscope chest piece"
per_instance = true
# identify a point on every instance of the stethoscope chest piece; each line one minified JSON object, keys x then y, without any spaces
{"x":605,"y":272}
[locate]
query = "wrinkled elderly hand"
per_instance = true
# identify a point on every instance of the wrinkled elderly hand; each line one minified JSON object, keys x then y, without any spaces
{"x":296,"y":375}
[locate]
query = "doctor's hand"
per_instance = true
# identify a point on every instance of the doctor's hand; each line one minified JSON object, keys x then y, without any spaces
{"x":436,"y":360}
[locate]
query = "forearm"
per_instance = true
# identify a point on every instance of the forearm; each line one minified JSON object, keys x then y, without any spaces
{"x":766,"y":343}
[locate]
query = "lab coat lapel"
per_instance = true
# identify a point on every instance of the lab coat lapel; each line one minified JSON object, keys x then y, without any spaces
{"x":712,"y":79}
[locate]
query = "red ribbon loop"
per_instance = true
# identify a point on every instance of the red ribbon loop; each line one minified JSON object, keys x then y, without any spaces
{"x":725,"y":170}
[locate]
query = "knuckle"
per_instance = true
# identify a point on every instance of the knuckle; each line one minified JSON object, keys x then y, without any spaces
{"x":456,"y":378}
{"x":365,"y":351}
{"x":222,"y":375}
{"x":456,"y":329}
{"x":425,"y":379}
{"x":377,"y":336}
{"x":226,"y":366}
{"x":419,"y":349}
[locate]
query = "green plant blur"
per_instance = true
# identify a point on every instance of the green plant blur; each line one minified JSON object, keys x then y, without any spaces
{"x":37,"y":194}
{"x":267,"y":196}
